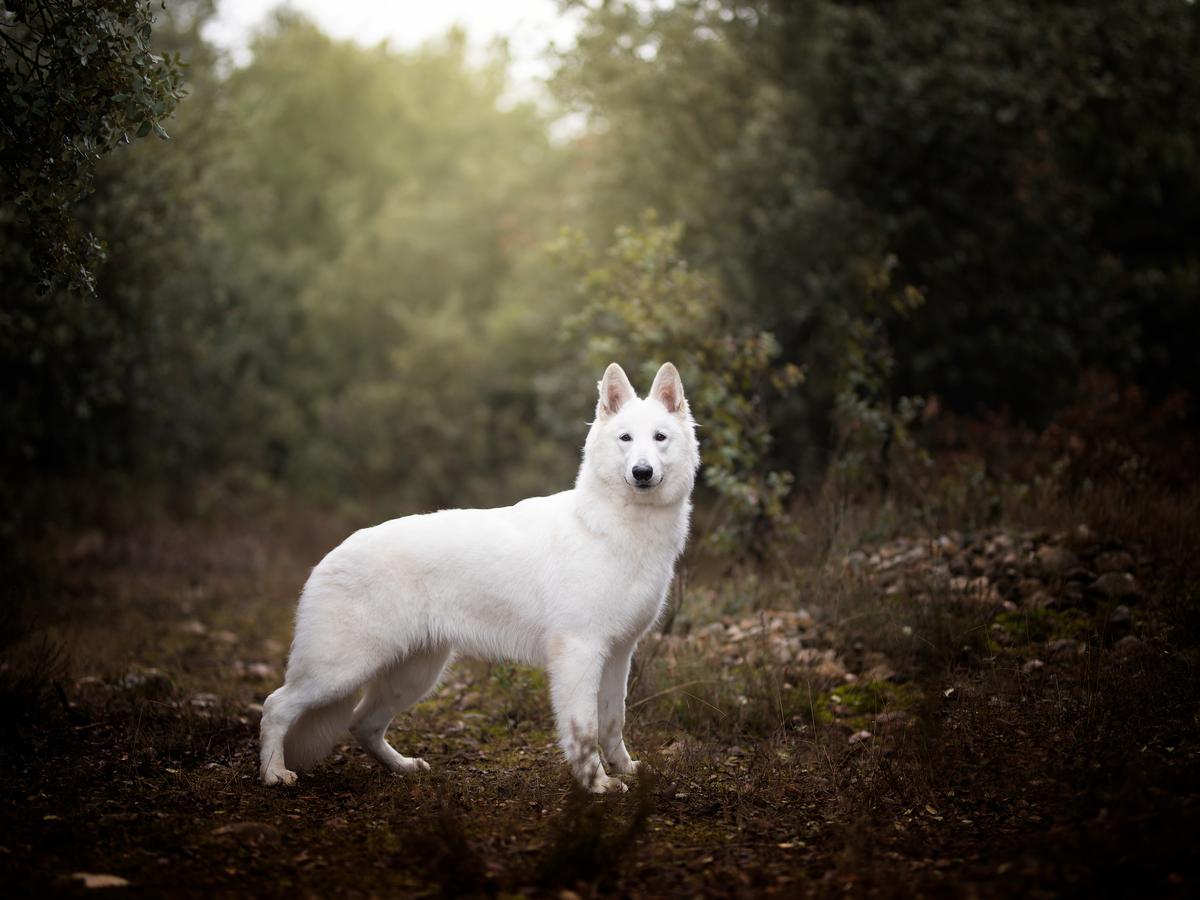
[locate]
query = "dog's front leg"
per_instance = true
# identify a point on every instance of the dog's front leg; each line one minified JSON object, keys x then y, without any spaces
{"x":576,"y":668}
{"x":613,"y":684}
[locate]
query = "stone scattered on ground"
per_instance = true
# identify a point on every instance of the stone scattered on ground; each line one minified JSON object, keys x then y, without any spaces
{"x":1121,"y":617}
{"x":782,"y":636}
{"x":1116,"y":586}
{"x":1027,"y":569}
{"x":249,"y":832}
{"x":1129,"y":646}
{"x":1064,"y":648}
{"x":151,"y":683}
{"x":256,"y":671}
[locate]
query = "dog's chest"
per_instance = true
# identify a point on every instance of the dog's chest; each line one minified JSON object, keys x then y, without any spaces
{"x":622,"y":562}
{"x":638,"y":591}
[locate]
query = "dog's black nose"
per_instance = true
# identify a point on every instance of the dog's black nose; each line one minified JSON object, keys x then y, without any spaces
{"x":642,"y":473}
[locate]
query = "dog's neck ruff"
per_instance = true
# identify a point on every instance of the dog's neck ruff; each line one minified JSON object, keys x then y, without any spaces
{"x":629,"y":518}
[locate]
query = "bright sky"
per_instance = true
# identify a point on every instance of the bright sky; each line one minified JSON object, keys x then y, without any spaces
{"x":529,"y":25}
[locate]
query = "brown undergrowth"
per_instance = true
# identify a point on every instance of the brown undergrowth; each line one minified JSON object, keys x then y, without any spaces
{"x":881,"y":710}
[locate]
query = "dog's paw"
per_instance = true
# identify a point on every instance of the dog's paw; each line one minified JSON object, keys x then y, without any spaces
{"x":606,"y":785}
{"x":629,"y":767}
{"x":412,"y":764}
{"x":278,"y":776}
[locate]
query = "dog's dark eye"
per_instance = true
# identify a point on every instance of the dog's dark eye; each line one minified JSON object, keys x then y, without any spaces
{"x":659,"y":436}
{"x":626,"y":437}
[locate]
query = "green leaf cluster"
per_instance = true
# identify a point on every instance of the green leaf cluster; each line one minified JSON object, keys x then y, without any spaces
{"x":76,"y":79}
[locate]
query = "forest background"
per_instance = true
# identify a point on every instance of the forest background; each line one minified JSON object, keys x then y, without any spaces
{"x":377,"y":280}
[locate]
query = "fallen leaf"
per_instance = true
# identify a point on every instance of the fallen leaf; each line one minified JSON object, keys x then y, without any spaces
{"x":90,"y":880}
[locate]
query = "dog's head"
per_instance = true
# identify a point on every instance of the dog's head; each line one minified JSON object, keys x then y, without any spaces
{"x":647,"y":448}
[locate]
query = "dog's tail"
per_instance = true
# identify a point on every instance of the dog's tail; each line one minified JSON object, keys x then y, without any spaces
{"x":314,"y":734}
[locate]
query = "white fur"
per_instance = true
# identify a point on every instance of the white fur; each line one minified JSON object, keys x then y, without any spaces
{"x":570,"y":582}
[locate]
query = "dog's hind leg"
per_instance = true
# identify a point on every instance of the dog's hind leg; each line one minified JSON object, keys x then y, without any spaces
{"x":392,"y":691}
{"x":303,"y":719}
{"x":279,"y":713}
{"x":300,"y":724}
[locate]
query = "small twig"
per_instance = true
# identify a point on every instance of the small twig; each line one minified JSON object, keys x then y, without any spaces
{"x":720,"y":712}
{"x":680,"y":687}
{"x":62,"y":698}
{"x":19,"y":51}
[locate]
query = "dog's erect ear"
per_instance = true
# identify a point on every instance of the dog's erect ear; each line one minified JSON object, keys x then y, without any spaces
{"x":615,"y":390}
{"x":668,"y":389}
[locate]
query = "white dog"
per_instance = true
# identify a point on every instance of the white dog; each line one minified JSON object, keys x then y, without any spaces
{"x":570,"y":582}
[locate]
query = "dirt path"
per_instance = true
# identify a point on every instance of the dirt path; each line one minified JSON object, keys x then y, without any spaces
{"x":967,"y":715}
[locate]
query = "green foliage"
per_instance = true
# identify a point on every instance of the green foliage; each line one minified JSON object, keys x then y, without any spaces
{"x":1020,"y":628}
{"x":1032,"y":168}
{"x":695,"y":90}
{"x":76,"y":79}
{"x":311,"y":318}
{"x":383,"y":243}
{"x":858,"y":704}
{"x":114,"y":382}
{"x":875,"y":431}
{"x":640,"y":300}
{"x":331,"y":280}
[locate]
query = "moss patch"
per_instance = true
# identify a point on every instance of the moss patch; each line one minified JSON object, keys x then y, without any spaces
{"x":857,"y":704}
{"x":1020,"y":628}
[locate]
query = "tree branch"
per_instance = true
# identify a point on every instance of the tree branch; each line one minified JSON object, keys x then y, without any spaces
{"x":19,"y":50}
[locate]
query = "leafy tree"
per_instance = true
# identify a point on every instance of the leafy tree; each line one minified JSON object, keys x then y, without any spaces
{"x":1034,"y":168}
{"x":76,"y":79}
{"x":697,"y":90}
{"x":1031,"y":168}
{"x":79,"y":371}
